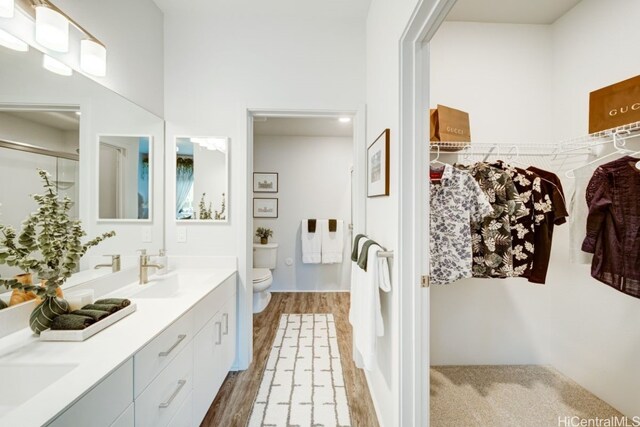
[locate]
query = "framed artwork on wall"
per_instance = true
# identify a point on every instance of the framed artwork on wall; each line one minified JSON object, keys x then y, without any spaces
{"x":265,"y":208}
{"x":265,"y":182}
{"x":378,"y":165}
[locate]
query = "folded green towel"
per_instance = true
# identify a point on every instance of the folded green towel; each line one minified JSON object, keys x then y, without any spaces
{"x":364,"y":255}
{"x":121,"y":302}
{"x":110,"y":308}
{"x":356,"y":242}
{"x":71,"y":322}
{"x":3,"y":305}
{"x":96,"y":315}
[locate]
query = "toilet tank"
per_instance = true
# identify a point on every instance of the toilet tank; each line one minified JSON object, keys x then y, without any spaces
{"x":265,"y":256}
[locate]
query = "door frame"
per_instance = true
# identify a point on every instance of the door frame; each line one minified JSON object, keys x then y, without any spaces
{"x":414,"y":209}
{"x":245,"y":258}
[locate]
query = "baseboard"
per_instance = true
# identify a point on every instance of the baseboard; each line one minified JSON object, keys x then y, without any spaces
{"x":328,"y":291}
{"x":373,"y":398}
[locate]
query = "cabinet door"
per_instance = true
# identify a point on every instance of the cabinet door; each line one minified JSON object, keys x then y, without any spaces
{"x":207,"y":366}
{"x":228,"y":317}
{"x":127,"y":419}
{"x":90,"y":410}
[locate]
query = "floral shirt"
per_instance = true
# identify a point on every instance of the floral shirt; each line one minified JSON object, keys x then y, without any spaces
{"x":455,"y":201}
{"x":491,"y":238}
{"x":523,"y":228}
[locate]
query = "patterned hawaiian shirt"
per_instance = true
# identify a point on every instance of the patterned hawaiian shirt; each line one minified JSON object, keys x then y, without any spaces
{"x":491,"y":238}
{"x":455,"y":201}
{"x":523,"y":228}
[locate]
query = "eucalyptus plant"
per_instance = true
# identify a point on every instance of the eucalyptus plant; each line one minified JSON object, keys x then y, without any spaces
{"x":49,"y":244}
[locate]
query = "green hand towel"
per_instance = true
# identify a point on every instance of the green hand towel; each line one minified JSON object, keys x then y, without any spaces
{"x":364,"y":255}
{"x":110,"y":308}
{"x":120,"y":302}
{"x":96,"y":315}
{"x":356,"y":242}
{"x":71,"y":322}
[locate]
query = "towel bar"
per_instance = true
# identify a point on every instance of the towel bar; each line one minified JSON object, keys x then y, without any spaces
{"x":385,"y":254}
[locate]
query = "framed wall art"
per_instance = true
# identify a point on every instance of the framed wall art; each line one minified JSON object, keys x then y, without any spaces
{"x":378,"y":165}
{"x":265,"y":208}
{"x":265,"y":182}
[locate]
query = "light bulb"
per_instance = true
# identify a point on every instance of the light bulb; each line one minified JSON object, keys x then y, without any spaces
{"x":56,"y":66}
{"x":52,"y":29}
{"x":344,"y":119}
{"x":93,"y":58}
{"x":12,"y":42}
{"x":6,"y":8}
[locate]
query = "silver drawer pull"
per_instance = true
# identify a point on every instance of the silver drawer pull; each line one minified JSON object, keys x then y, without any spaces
{"x":219,"y":326}
{"x":166,"y":353}
{"x":226,"y":323}
{"x":166,"y":404}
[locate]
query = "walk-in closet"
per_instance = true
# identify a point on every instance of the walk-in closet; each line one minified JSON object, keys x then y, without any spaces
{"x":534,"y":302}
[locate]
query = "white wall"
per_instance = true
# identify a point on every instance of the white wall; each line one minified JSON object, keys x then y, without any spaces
{"x":314,"y":182}
{"x":210,"y":176}
{"x":17,"y":129}
{"x":386,"y":22}
{"x":252,"y":55}
{"x":595,"y":338}
{"x":501,"y":75}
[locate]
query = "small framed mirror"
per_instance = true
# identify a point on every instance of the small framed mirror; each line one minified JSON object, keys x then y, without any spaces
{"x":125,"y":178}
{"x":202,"y":179}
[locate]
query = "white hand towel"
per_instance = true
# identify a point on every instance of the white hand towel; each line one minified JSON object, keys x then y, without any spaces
{"x":311,"y":242}
{"x":332,"y":243}
{"x":367,"y":321}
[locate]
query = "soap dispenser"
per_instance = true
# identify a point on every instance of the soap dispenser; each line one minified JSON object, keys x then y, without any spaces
{"x":163,"y":260}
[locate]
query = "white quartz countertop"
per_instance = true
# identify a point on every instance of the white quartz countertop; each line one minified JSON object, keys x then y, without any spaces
{"x":103,"y":353}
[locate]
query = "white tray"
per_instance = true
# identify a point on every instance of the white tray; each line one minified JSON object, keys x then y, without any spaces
{"x":83,"y":334}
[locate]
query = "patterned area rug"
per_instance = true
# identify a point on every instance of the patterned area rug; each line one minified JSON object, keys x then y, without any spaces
{"x":302,"y":384}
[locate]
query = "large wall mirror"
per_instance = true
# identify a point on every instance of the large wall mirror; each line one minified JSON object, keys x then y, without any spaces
{"x":202,"y":179}
{"x":124,"y":177}
{"x":59,"y":123}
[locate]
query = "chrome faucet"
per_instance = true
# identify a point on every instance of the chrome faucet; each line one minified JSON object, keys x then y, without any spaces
{"x":115,"y":264}
{"x":145,"y":266}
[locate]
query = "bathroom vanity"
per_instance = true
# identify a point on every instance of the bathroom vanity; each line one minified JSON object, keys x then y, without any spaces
{"x":160,"y":366}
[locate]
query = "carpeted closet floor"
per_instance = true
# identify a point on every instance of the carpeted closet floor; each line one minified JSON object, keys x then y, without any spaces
{"x":501,"y":396}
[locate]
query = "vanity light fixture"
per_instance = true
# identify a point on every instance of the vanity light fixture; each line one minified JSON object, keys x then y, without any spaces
{"x":344,"y":119}
{"x":56,"y":66}
{"x":52,"y":32}
{"x":12,"y":42}
{"x":52,"y":29}
{"x":6,"y":8}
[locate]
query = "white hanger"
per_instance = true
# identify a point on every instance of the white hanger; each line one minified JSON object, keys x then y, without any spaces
{"x":619,"y":146}
{"x":436,"y":161}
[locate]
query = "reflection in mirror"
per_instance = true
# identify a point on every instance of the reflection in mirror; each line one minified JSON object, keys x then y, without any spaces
{"x":34,"y":138}
{"x":201,"y":178}
{"x":125,"y":177}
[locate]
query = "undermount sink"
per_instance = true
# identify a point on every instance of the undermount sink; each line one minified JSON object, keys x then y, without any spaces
{"x":21,"y":382}
{"x":167,"y":286}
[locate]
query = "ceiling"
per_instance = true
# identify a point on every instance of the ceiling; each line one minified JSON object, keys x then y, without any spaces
{"x":302,"y":127}
{"x":61,"y":120}
{"x":511,"y":11}
{"x":303,"y":8}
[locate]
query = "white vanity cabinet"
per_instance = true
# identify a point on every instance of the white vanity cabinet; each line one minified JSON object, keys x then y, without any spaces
{"x":173,"y":379}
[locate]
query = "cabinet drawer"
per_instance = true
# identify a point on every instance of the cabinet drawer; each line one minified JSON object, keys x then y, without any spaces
{"x":155,"y":356}
{"x":127,"y":419}
{"x":213,"y":302}
{"x":91,"y":409}
{"x":184,"y":416}
{"x":159,"y":402}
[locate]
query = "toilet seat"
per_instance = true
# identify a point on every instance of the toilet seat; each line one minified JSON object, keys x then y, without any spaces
{"x":261,"y":275}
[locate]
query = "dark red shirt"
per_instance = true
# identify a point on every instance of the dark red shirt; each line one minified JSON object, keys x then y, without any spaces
{"x":613,"y":225}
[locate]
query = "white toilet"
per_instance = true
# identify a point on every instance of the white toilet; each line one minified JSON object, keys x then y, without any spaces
{"x":264,"y":260}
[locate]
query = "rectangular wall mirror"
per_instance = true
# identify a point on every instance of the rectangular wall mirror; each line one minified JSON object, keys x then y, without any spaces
{"x":125,"y":173}
{"x":202,"y":179}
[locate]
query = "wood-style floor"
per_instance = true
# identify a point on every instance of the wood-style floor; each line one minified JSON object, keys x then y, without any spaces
{"x":233,"y":404}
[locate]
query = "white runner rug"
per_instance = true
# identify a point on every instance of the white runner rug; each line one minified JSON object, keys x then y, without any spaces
{"x":302,"y":384}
